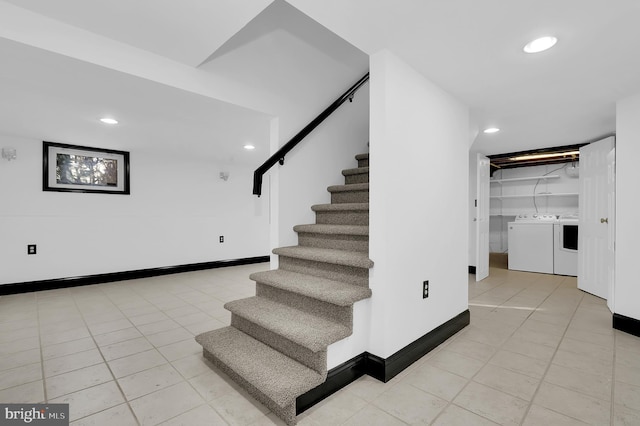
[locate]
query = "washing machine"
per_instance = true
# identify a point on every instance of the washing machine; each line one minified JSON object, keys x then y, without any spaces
{"x":530,"y":239}
{"x":565,"y":245}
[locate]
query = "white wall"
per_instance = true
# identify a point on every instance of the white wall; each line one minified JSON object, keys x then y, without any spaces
{"x":419,"y":205}
{"x":471,"y":220}
{"x":177,"y":209}
{"x":627,"y":289}
{"x":318,"y":162}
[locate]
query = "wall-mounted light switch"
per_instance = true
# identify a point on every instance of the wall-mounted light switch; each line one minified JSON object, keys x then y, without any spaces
{"x":222,"y":238}
{"x":31,"y":249}
{"x":425,"y":289}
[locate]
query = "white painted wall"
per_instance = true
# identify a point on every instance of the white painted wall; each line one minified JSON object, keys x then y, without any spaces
{"x":473,"y":182}
{"x":177,"y":209}
{"x":627,"y":289}
{"x":419,"y":205}
{"x":318,"y":163}
{"x":299,"y":68}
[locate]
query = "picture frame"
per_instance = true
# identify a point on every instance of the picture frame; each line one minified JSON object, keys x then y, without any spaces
{"x":74,"y":168}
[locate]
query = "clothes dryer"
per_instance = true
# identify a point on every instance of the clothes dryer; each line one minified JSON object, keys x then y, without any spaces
{"x":565,"y":245}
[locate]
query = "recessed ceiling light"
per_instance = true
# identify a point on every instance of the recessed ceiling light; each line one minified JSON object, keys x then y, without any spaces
{"x":109,"y":120}
{"x":491,"y":130}
{"x":540,"y":44}
{"x":249,"y":147}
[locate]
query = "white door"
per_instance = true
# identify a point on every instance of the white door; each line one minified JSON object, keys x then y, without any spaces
{"x":611,"y":240}
{"x":593,"y":227}
{"x":482,"y":215}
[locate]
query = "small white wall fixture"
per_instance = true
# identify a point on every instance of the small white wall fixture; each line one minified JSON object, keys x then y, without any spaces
{"x":9,"y":153}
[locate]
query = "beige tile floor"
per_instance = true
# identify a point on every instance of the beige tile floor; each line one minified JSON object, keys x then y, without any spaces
{"x":538,"y":352}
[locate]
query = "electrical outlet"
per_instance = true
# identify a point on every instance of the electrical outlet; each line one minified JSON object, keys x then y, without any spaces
{"x":425,"y":289}
{"x":222,"y":238}
{"x":31,"y":249}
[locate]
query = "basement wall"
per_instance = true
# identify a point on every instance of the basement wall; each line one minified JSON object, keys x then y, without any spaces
{"x":419,"y":205}
{"x":176,"y":212}
{"x":317,"y":162}
{"x":626,"y":295}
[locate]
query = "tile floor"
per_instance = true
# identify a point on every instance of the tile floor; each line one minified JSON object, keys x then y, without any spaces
{"x":538,"y":352}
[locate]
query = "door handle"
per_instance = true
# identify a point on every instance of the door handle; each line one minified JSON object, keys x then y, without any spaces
{"x":604,"y":220}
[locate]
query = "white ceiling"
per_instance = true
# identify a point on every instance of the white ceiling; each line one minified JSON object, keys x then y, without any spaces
{"x":46,"y":96}
{"x":473,"y":49}
{"x":186,"y":31}
{"x":470,"y":48}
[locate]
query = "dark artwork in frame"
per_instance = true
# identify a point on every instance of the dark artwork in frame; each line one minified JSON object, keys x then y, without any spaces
{"x":74,"y":168}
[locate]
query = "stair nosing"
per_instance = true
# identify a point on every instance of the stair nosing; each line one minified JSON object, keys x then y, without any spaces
{"x":356,"y":171}
{"x":350,"y":187}
{"x":340,"y":207}
{"x":332,"y":256}
{"x":328,"y":229}
{"x":274,"y":278}
{"x":303,"y":339}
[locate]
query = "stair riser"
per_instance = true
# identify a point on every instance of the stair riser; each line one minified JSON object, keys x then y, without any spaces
{"x":359,"y":243}
{"x":357,"y":217}
{"x":288,"y":413}
{"x":350,"y":197}
{"x":315,"y":360}
{"x":363,"y":163}
{"x":359,"y":178}
{"x":347,"y":274}
{"x":339,"y":314}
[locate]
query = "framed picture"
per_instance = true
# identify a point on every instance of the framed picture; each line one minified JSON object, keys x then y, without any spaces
{"x":71,"y":168}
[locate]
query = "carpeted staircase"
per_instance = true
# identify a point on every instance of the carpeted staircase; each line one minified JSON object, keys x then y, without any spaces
{"x":276,"y":345}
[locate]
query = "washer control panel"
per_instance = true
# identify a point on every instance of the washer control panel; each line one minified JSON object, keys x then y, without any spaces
{"x":536,"y":217}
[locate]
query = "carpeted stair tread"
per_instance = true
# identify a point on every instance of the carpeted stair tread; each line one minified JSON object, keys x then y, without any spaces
{"x":340,"y":207}
{"x":333,"y":229}
{"x":355,"y":171}
{"x":334,"y":292}
{"x":277,"y":376}
{"x":337,"y":257}
{"x":349,"y":188}
{"x":307,"y":330}
{"x":364,"y":156}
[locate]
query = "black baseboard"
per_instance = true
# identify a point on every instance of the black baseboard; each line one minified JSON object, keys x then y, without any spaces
{"x":386,"y":369}
{"x":381,"y":368}
{"x":472,"y":269}
{"x":626,"y":324}
{"x":123,"y":276}
{"x":337,"y":378}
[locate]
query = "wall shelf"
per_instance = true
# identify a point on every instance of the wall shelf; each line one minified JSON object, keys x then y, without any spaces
{"x":520,"y":179}
{"x":540,"y":194}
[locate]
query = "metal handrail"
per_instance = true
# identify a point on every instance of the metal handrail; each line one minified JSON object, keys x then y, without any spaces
{"x":278,"y":157}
